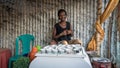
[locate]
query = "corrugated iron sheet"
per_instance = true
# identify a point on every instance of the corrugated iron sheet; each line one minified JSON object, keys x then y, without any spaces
{"x":38,"y":17}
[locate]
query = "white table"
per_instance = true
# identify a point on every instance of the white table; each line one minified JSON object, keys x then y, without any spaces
{"x":60,"y":61}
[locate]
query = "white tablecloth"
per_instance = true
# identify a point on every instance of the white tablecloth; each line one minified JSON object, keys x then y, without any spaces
{"x":60,"y":61}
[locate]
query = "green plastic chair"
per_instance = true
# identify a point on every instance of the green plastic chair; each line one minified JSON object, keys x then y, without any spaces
{"x":25,"y":39}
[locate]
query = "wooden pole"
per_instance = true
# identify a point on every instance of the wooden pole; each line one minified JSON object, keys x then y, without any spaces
{"x":99,"y":12}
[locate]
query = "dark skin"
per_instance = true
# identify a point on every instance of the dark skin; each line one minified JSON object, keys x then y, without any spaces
{"x":62,"y":17}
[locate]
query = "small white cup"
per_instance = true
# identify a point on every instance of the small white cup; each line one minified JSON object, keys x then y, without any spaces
{"x":61,"y":51}
{"x":54,"y":51}
{"x":49,"y":51}
{"x":43,"y":51}
{"x":68,"y":51}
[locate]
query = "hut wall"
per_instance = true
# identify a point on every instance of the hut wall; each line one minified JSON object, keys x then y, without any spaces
{"x":38,"y":17}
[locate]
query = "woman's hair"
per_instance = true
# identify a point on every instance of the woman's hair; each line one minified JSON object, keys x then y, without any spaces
{"x":62,"y":10}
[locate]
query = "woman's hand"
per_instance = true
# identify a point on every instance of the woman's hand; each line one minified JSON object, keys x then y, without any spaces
{"x":66,"y":32}
{"x":63,"y":33}
{"x":69,"y":32}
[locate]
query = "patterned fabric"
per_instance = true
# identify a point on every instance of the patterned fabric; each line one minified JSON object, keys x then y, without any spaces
{"x":99,"y":35}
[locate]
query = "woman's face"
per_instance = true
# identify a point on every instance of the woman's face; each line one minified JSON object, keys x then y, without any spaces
{"x":62,"y":16}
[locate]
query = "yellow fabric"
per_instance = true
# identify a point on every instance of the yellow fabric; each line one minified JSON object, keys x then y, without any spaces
{"x":92,"y":45}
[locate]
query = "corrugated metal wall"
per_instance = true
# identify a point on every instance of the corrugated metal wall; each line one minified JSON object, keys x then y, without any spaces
{"x":38,"y":17}
{"x":118,"y":38}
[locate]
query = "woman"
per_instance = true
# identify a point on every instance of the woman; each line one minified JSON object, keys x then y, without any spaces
{"x":62,"y":30}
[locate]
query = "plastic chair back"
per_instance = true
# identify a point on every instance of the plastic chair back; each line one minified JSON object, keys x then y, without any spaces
{"x":25,"y":39}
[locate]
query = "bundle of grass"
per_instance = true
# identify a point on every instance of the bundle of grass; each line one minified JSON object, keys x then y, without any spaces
{"x":22,"y":62}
